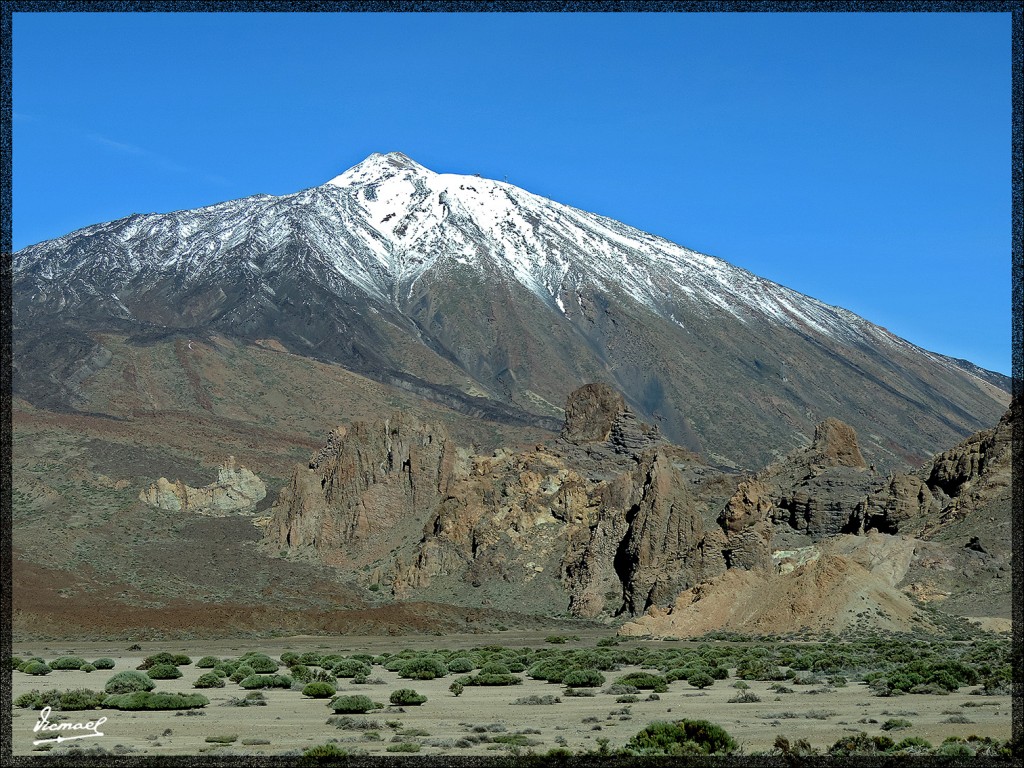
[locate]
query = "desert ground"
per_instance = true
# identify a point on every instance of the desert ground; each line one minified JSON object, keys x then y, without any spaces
{"x":480,"y":720}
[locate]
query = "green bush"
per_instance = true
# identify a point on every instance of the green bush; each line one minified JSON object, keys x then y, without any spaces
{"x":36,"y":668}
{"x":491,"y":679}
{"x":157,"y":658}
{"x":861,"y":744}
{"x":350,"y":668}
{"x":406,"y":697}
{"x":163,"y":672}
{"x":68,"y":662}
{"x":684,"y":737}
{"x":583,"y":678}
{"x":322,"y":753}
{"x":913,"y":744}
{"x":104,"y":663}
{"x":318,"y":690}
{"x":700,"y":680}
{"x":76,"y":699}
{"x":181,"y":660}
{"x":88,"y":668}
{"x":348,"y":705}
{"x":253,"y":682}
{"x":456,"y":688}
{"x":896,"y":724}
{"x":423,"y":668}
{"x":207,"y":662}
{"x":460,"y":665}
{"x":241,"y":672}
{"x":259,"y":662}
{"x":209,"y":680}
{"x":149,"y":700}
{"x":289,"y":658}
{"x":129,"y":681}
{"x":645,"y":680}
{"x":16,"y":661}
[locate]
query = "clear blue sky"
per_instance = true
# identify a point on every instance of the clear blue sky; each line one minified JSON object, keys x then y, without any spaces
{"x":861,"y":159}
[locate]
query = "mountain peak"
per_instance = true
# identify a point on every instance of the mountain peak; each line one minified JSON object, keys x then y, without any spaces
{"x":377,"y":167}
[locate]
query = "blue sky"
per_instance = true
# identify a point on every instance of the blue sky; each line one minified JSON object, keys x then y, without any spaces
{"x":863,"y":159}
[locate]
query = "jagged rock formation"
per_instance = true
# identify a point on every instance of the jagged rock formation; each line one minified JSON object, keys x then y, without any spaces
{"x":819,"y":541}
{"x":610,"y":519}
{"x":603,"y":520}
{"x":237,"y":491}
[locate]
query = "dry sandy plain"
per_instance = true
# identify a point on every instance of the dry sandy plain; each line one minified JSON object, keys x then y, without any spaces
{"x":291,"y":722}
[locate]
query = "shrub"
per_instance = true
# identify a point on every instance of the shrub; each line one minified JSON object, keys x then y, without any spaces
{"x":423,"y":668}
{"x":491,"y":679}
{"x":700,"y":680}
{"x":181,"y":660}
{"x":36,"y":668}
{"x":861,"y":744}
{"x":289,"y":658}
{"x":156,"y":658}
{"x":88,"y":668}
{"x":251,"y":699}
{"x":896,"y":724}
{"x":537,"y":700}
{"x":405,"y":746}
{"x":583,"y":678}
{"x":252,"y":682}
{"x":16,"y":661}
{"x":406,"y":697}
{"x":241,"y":672}
{"x":322,"y":752}
{"x":259,"y":662}
{"x":616,"y":689}
{"x":745,"y":697}
{"x":644,"y":680}
{"x":695,"y":737}
{"x":229,"y":739}
{"x":68,"y":662}
{"x":352,"y":704}
{"x":460,"y":665}
{"x":209,"y":680}
{"x":208,"y":662}
{"x":129,"y":681}
{"x":350,"y":668}
{"x":913,"y":744}
{"x":76,"y":699}
{"x":319,"y":690}
{"x":163,"y":672}
{"x":149,"y":700}
{"x":456,"y":688}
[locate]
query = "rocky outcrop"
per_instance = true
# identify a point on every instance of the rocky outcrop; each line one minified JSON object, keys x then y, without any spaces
{"x":237,"y":491}
{"x":371,"y":485}
{"x":590,"y":413}
{"x":607,"y":520}
{"x":601,"y":520}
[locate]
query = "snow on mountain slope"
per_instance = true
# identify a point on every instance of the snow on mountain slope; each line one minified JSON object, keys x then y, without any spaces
{"x":464,"y":287}
{"x":387,"y":221}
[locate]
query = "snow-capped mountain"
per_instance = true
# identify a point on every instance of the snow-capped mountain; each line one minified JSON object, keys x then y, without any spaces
{"x":474,"y":288}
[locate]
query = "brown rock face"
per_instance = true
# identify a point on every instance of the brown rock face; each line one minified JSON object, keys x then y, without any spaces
{"x":373,"y":484}
{"x":591,"y":412}
{"x":601,"y":522}
{"x":835,"y":444}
